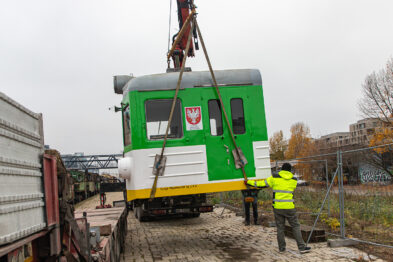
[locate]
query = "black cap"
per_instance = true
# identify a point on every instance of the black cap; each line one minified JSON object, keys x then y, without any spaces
{"x":286,"y":167}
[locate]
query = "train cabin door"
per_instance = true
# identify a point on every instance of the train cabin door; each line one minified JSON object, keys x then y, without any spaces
{"x":239,"y":104}
{"x":219,"y":143}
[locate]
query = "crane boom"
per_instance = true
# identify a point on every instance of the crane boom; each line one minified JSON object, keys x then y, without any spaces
{"x":184,"y":8}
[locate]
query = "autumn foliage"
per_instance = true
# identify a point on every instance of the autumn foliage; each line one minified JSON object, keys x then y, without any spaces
{"x":278,"y":146}
{"x":382,"y":136}
{"x":300,"y":143}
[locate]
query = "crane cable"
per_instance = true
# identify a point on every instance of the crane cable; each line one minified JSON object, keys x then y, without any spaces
{"x":158,"y":163}
{"x":237,"y":149}
{"x":220,"y":98}
{"x":169,"y":26}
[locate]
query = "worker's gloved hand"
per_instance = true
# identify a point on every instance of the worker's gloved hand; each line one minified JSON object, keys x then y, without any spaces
{"x":245,"y":182}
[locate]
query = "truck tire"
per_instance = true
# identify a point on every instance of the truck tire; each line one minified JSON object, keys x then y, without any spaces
{"x":139,"y":214}
{"x":130,"y":205}
{"x":136,"y":211}
{"x":191,"y":215}
{"x":196,"y":215}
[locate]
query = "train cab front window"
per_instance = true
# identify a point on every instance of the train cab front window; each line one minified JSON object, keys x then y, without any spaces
{"x":126,"y":126}
{"x":215,"y":117}
{"x":237,"y":112}
{"x":157,"y":115}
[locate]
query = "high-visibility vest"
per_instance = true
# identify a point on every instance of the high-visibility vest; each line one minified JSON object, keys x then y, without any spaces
{"x":283,"y":185}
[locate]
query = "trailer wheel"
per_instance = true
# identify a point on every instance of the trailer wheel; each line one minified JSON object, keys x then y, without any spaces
{"x":130,"y":205}
{"x":190,"y":215}
{"x":139,"y":213}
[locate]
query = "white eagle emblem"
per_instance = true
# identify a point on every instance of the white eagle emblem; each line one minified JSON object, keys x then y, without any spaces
{"x":193,"y":114}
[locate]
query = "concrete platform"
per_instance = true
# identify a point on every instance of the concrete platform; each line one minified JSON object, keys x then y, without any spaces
{"x":339,"y":242}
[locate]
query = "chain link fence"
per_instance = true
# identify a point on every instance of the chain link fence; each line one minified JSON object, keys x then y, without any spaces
{"x":348,"y":193}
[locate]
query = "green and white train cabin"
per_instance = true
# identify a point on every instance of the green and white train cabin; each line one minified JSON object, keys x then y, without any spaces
{"x":199,"y":146}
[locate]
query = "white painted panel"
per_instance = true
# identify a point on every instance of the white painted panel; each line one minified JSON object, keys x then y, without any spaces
{"x":18,"y":115}
{"x":21,"y":189}
{"x":21,"y":219}
{"x":261,"y":159}
{"x":184,"y":166}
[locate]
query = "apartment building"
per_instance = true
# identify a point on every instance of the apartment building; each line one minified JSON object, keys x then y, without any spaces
{"x":359,"y":133}
{"x":338,"y":139}
{"x":362,"y":131}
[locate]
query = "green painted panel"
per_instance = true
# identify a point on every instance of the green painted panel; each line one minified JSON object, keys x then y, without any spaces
{"x":91,"y":186}
{"x":220,"y":160}
{"x":79,"y":187}
{"x":218,"y":147}
{"x":187,"y":97}
{"x":77,"y":175}
{"x":244,"y":141}
{"x":217,"y":156}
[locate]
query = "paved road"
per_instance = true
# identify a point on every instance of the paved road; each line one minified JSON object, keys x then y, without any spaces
{"x":215,"y":238}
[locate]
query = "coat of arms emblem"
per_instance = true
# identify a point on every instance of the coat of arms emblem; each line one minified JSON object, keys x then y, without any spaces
{"x":193,"y":117}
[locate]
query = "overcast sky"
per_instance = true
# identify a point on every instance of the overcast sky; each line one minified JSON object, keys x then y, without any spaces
{"x":58,"y":58}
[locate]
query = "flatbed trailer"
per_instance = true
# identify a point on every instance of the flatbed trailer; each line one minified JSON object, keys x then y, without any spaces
{"x":108,"y":227}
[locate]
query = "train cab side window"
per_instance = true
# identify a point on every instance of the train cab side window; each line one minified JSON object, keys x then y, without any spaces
{"x":215,"y":117}
{"x":157,"y":115}
{"x":237,"y":112}
{"x":126,"y":126}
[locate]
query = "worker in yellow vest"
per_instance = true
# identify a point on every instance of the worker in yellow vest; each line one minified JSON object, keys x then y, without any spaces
{"x":283,"y":185}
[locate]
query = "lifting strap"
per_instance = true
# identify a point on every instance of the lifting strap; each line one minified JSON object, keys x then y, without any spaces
{"x":237,"y":149}
{"x":158,"y":167}
{"x":159,"y":164}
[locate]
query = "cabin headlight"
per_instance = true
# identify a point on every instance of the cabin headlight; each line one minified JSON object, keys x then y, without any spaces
{"x":125,"y":166}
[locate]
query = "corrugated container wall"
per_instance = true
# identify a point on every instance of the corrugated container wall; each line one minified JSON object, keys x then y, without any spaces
{"x":21,"y":186}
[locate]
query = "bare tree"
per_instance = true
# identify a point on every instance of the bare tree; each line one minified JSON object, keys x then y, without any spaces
{"x":377,"y":100}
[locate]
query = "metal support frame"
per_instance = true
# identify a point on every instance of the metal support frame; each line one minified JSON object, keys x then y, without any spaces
{"x":323,"y":204}
{"x":72,"y":162}
{"x":341,"y":192}
{"x":339,"y":172}
{"x":327,"y":186}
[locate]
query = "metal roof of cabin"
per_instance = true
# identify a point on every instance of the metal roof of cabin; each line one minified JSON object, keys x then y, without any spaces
{"x":168,"y":81}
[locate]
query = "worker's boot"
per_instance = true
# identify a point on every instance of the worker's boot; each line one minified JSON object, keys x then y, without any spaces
{"x":305,"y":250}
{"x":256,"y":222}
{"x":247,"y":222}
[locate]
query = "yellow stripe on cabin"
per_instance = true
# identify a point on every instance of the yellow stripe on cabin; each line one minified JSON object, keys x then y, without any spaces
{"x":186,"y":190}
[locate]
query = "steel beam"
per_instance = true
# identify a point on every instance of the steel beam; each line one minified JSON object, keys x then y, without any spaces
{"x":73,"y":162}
